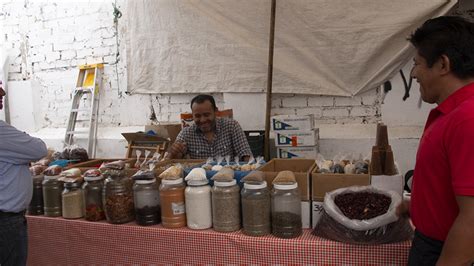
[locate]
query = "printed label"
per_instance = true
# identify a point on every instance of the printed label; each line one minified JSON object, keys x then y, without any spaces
{"x":178,"y":208}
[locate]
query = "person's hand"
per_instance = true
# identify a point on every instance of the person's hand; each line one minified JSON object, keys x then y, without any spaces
{"x":403,"y":209}
{"x":177,"y":150}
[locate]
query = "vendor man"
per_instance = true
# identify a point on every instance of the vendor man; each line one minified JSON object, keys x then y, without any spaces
{"x":210,"y":136}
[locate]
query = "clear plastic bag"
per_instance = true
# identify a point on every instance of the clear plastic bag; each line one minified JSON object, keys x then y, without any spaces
{"x":173,"y":172}
{"x":196,"y":174}
{"x":285,"y":177}
{"x":224,"y":175}
{"x":53,"y":170}
{"x":208,"y":165}
{"x":218,"y":166}
{"x":382,"y":229}
{"x":254,"y":176}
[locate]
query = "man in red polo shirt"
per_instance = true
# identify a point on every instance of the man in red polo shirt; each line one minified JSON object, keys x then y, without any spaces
{"x":442,"y":199}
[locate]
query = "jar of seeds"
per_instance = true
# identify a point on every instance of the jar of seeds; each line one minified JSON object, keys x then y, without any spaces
{"x":73,"y":200}
{"x":256,"y":209}
{"x":93,"y":206}
{"x":226,"y":206}
{"x":286,"y":211}
{"x":173,"y":210}
{"x":117,"y":197}
{"x":36,"y":206}
{"x":52,"y":189}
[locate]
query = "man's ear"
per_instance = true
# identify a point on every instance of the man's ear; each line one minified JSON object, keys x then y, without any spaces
{"x":444,"y":64}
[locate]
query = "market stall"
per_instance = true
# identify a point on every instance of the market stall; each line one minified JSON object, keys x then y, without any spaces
{"x":61,"y":241}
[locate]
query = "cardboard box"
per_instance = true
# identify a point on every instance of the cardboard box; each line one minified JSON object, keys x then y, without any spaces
{"x":292,"y":122}
{"x":301,"y":167}
{"x":296,"y":138}
{"x":388,"y":182}
{"x":317,"y":210}
{"x":167,"y":131}
{"x":323,"y":183}
{"x":298,"y":152}
{"x":306,"y":214}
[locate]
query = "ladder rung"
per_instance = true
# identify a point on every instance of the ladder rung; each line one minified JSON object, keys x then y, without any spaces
{"x":82,"y":120}
{"x":79,"y":110}
{"x":85,"y":89}
{"x":76,"y":132}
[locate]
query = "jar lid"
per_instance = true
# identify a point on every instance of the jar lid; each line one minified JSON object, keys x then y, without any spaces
{"x":198,"y":182}
{"x":256,"y":185}
{"x":225,"y":183}
{"x":285,"y":186}
{"x":72,"y":185}
{"x":51,"y":177}
{"x":172,"y":181}
{"x":145,"y":181}
{"x":93,"y":178}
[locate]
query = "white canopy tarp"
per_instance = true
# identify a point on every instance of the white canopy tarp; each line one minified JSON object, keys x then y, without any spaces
{"x":325,"y":47}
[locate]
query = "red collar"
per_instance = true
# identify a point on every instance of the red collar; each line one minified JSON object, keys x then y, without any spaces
{"x":455,"y":99}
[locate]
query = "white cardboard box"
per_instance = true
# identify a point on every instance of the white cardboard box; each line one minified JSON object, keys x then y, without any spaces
{"x":296,"y":138}
{"x":388,"y":182}
{"x":306,"y":214}
{"x":317,"y":210}
{"x":309,"y":152}
{"x":292,"y":122}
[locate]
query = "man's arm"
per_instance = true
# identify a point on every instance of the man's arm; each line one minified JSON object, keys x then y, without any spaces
{"x":241,"y":145}
{"x":17,"y":147}
{"x":178,"y":149}
{"x":458,"y":248}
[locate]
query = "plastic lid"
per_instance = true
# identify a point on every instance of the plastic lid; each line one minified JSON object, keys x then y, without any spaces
{"x":225,"y":183}
{"x":256,"y":186}
{"x":285,"y":186}
{"x":198,"y":182}
{"x":93,"y":178}
{"x":172,"y":181}
{"x":52,"y":177}
{"x":145,"y":181}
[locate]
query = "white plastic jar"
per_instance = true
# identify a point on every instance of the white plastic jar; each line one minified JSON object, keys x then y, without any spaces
{"x":198,"y":204}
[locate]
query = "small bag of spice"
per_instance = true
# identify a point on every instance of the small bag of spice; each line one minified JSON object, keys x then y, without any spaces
{"x":259,"y":162}
{"x":115,"y":165}
{"x":208,"y":165}
{"x":224,"y":175}
{"x":218,"y":165}
{"x":284,"y":177}
{"x":92,"y":173}
{"x":227,"y":161}
{"x":196,"y":174}
{"x":254,"y":176}
{"x":248,"y":165}
{"x":53,"y":170}
{"x":172,"y":173}
{"x":143,"y":175}
{"x":236,"y":166}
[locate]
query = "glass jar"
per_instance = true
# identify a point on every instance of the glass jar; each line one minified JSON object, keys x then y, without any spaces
{"x":93,"y":206}
{"x":36,"y":204}
{"x":286,"y":211}
{"x":198,"y":204}
{"x":256,"y":209}
{"x":73,"y":200}
{"x":226,"y":206}
{"x":173,"y":211}
{"x":52,"y":189}
{"x":117,"y":197}
{"x":147,"y":202}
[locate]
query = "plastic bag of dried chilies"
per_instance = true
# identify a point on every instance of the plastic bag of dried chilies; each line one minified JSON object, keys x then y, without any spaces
{"x":363,"y":215}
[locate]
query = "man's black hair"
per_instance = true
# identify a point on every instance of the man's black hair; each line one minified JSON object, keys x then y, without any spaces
{"x":448,"y":35}
{"x":202,"y":98}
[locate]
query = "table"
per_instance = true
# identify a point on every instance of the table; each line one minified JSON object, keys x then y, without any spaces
{"x":60,"y":241}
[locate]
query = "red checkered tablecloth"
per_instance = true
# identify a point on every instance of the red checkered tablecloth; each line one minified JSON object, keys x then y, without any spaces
{"x":72,"y":242}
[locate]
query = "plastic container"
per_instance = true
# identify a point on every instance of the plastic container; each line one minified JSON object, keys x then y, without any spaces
{"x":147,"y":202}
{"x":93,"y":206}
{"x":256,"y":210}
{"x":118,"y":199}
{"x":226,"y":206}
{"x":198,"y":204}
{"x":52,"y":200}
{"x":73,"y":201}
{"x":173,"y":210}
{"x":286,"y":211}
{"x":36,"y":206}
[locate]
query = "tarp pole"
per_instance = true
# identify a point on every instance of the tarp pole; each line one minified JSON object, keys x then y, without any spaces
{"x":268,"y":110}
